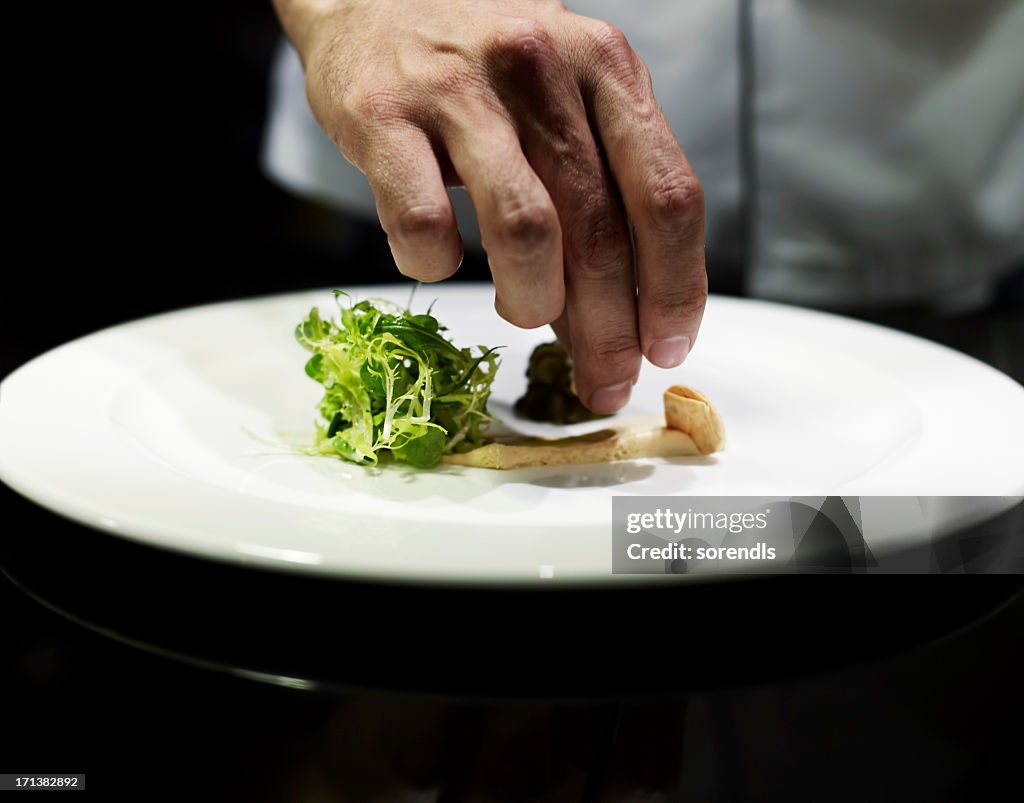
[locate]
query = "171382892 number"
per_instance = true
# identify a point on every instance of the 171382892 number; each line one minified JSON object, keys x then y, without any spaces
{"x":11,"y":782}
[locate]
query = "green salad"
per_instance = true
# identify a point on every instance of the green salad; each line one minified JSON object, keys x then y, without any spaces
{"x":395,"y":385}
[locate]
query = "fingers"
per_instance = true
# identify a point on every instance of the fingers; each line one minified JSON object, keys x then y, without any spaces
{"x":412,"y":204}
{"x":519,"y":226}
{"x":561,"y":329}
{"x":600,"y":322}
{"x":662,"y":197}
{"x":589,"y":211}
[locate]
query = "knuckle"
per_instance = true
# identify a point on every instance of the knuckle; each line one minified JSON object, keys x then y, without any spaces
{"x":679,"y":302}
{"x":523,"y":39}
{"x":612,"y":50}
{"x":673,"y":199}
{"x":614,"y":350}
{"x":374,"y":106}
{"x":531,"y":227}
{"x":361,"y":116}
{"x":602,"y":248}
{"x":430,"y":221}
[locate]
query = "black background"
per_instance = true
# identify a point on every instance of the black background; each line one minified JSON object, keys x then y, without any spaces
{"x":134,"y":147}
{"x":139,"y":189}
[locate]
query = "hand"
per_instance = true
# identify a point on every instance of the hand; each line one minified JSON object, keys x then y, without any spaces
{"x":550,"y":122}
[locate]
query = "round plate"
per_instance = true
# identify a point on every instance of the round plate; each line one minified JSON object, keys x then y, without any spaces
{"x":179,"y":431}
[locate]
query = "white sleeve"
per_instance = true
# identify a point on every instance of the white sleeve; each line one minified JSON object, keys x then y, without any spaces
{"x":889,"y":150}
{"x":296,"y":152}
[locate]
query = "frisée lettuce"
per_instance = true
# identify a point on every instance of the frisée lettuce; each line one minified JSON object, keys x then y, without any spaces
{"x":394,"y":384}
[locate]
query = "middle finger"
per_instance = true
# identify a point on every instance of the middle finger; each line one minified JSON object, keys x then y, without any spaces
{"x":600,"y":283}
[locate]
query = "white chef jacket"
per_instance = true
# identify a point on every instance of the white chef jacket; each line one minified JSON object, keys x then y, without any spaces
{"x":872,"y":151}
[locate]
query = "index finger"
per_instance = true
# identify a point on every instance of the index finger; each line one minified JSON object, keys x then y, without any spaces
{"x":660,"y":191}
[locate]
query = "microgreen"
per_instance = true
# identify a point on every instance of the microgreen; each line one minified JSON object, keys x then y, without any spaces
{"x":394,"y":384}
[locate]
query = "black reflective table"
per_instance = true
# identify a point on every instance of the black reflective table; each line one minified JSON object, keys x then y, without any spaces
{"x":577,"y":643}
{"x":315,"y":678}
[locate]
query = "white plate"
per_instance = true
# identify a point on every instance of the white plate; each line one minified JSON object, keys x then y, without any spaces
{"x":158,"y":430}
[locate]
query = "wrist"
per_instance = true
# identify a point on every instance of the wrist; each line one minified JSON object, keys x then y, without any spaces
{"x":304,"y":21}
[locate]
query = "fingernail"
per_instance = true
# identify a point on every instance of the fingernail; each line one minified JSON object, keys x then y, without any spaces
{"x":610,"y":399}
{"x":670,"y":352}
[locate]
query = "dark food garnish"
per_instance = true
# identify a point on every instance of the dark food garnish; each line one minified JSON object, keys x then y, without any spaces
{"x":549,"y":396}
